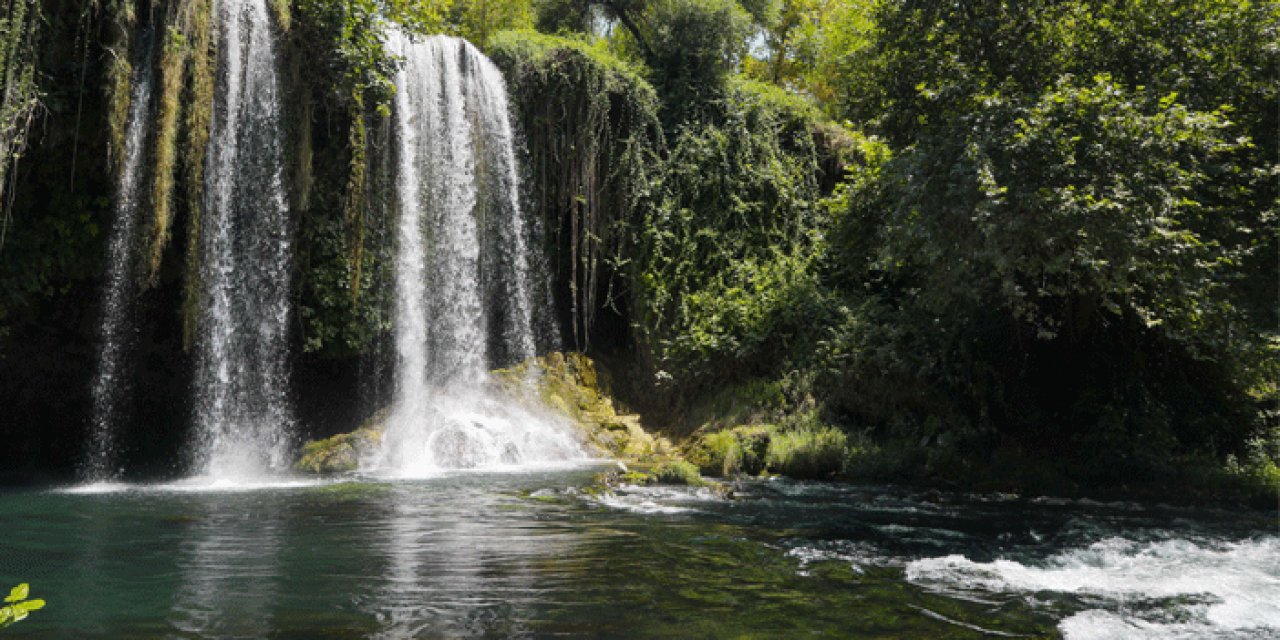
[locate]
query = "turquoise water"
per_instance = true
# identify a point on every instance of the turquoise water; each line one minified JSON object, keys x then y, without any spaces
{"x":533,"y":555}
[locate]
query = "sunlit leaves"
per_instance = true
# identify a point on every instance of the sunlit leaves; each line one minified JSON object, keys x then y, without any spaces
{"x":17,"y":607}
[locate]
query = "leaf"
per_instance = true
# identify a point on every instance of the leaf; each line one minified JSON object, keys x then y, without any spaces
{"x":19,"y":593}
{"x":30,"y":605}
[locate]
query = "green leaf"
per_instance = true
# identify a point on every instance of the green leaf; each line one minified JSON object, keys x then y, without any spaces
{"x":19,"y":593}
{"x":30,"y":605}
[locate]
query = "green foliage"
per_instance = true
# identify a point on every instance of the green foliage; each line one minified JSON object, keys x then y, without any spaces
{"x":811,"y":46}
{"x":562,"y":17}
{"x":19,"y":31}
{"x":740,"y":450}
{"x":676,"y":472}
{"x":591,"y":128}
{"x":347,"y":38}
{"x":694,"y":45}
{"x":479,"y":20}
{"x":1093,"y":220}
{"x":17,"y":607}
{"x":807,"y":453}
{"x":345,"y":248}
{"x":723,"y":279}
{"x":1081,"y":194}
{"x":1210,"y":55}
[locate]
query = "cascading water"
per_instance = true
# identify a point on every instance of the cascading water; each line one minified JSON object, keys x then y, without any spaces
{"x":462,"y":269}
{"x":243,"y":416}
{"x":110,"y":380}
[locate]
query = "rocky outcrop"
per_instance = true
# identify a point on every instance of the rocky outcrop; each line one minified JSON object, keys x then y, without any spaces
{"x":569,"y":384}
{"x":574,"y":386}
{"x":344,"y":452}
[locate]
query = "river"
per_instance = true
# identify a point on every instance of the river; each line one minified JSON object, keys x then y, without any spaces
{"x":536,"y":554}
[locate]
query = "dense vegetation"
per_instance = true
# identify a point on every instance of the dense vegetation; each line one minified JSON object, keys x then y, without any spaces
{"x":969,"y":242}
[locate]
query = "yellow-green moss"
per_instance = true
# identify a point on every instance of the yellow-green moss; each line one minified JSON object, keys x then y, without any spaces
{"x":118,"y":73}
{"x":573,"y":385}
{"x":201,"y":55}
{"x":172,"y":74}
{"x":354,"y":208}
{"x":343,"y":452}
{"x":339,"y":454}
{"x":283,"y":15}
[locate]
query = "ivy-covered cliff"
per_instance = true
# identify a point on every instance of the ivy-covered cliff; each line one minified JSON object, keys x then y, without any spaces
{"x":1046,"y":231}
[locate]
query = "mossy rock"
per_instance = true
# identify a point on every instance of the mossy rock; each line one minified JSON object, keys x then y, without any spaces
{"x":569,"y":384}
{"x":574,"y":386}
{"x":341,"y":453}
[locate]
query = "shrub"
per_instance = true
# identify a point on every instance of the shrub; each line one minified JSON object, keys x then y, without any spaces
{"x":676,"y":472}
{"x":740,"y":450}
{"x":807,"y":453}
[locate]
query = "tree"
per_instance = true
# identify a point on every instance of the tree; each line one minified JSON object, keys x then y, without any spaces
{"x":478,"y":20}
{"x":1043,"y":264}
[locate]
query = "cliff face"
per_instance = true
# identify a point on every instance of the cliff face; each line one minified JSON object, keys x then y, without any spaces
{"x":59,"y":201}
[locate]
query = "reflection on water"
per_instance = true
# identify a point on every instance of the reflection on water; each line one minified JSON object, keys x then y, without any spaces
{"x":463,"y":566}
{"x":229,"y":566}
{"x":533,"y":555}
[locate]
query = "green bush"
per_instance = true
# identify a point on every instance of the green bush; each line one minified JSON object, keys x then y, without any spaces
{"x":676,"y":472}
{"x":737,"y":451}
{"x":807,"y":453}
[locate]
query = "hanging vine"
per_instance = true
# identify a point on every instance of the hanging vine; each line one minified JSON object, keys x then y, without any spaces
{"x":119,"y":72}
{"x":593,"y":139}
{"x":18,"y":95}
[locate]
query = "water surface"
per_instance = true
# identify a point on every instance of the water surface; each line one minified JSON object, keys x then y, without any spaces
{"x":534,"y":555}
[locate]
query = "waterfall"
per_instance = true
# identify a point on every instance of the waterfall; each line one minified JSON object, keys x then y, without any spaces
{"x":243,"y":416}
{"x":110,"y":380}
{"x":462,"y":270}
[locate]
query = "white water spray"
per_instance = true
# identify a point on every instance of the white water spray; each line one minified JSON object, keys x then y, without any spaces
{"x":243,"y":416}
{"x":462,"y":269}
{"x":110,"y":379}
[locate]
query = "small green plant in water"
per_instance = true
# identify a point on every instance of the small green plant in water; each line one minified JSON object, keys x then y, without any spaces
{"x":16,"y":605}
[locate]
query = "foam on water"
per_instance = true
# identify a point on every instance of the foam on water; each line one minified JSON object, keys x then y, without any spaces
{"x":858,"y":555}
{"x":1167,"y":588}
{"x":96,"y":488}
{"x":656,"y":499}
{"x":199,"y":484}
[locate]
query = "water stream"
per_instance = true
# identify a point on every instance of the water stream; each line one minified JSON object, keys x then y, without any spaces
{"x":462,"y":275}
{"x":110,"y":383}
{"x":532,"y":554}
{"x":243,"y":416}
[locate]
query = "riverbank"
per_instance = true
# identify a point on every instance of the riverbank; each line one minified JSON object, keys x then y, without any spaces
{"x":738,"y":436}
